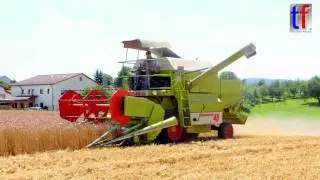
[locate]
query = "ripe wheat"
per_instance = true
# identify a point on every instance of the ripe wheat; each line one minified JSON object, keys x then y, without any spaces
{"x":28,"y":132}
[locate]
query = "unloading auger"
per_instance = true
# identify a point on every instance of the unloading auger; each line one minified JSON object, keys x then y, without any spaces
{"x":164,"y":99}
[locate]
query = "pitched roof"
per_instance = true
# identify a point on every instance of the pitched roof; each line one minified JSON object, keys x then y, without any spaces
{"x":47,"y":79}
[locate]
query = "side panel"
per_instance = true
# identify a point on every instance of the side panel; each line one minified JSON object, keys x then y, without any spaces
{"x":200,"y":102}
{"x":213,"y":118}
{"x":210,"y":84}
{"x":230,"y":91}
{"x":137,"y":106}
{"x":226,"y":100}
{"x":231,"y":97}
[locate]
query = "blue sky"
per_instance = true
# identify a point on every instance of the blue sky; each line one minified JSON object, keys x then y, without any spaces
{"x":60,"y":36}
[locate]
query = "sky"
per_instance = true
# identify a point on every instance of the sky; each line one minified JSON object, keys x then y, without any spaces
{"x":66,"y":36}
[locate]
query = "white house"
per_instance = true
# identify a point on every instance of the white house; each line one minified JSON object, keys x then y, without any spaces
{"x":7,"y":101}
{"x":47,"y":89}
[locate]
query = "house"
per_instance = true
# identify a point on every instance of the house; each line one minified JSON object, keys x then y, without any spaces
{"x":7,"y":101}
{"x":46,"y":90}
{"x":5,"y":79}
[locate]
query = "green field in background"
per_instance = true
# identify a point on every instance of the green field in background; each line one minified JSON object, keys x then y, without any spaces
{"x":303,"y":108}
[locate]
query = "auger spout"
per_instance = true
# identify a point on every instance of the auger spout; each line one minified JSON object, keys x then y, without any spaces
{"x":248,"y":51}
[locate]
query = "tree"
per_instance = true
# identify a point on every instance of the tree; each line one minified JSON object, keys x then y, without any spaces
{"x":107,"y":80}
{"x":262,"y":82}
{"x":294,"y":91}
{"x":228,"y":75}
{"x":248,"y":98}
{"x":13,"y":81}
{"x":98,"y":77}
{"x":125,"y":71}
{"x":256,"y":96}
{"x":275,"y":90}
{"x":314,"y":88}
{"x":263,"y":91}
{"x":304,"y":93}
{"x":5,"y":85}
{"x":98,"y":87}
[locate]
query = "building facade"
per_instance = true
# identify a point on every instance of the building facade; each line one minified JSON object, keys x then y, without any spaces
{"x":47,"y":89}
{"x":7,"y":101}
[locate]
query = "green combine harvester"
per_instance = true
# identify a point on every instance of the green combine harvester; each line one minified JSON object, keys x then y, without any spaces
{"x":169,"y":99}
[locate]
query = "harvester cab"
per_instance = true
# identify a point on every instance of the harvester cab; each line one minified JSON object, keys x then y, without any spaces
{"x":165,"y":98}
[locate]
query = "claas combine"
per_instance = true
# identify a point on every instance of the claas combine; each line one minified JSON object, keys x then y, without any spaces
{"x":164,"y":99}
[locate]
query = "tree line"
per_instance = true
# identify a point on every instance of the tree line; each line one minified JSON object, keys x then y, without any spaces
{"x":281,"y":90}
{"x":107,"y":81}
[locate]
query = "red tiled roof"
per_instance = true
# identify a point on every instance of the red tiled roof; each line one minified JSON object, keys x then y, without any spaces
{"x":47,"y":79}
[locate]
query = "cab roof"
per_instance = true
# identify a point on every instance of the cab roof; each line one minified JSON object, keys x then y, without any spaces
{"x":145,"y":45}
{"x":159,"y":48}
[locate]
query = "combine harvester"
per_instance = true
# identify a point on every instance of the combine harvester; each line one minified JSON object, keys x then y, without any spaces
{"x":165,"y":99}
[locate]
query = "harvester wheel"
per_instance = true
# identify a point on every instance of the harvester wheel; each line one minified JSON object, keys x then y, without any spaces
{"x":171,"y":134}
{"x":175,"y":133}
{"x":225,"y":131}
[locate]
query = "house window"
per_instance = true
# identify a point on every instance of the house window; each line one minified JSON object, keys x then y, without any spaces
{"x":29,"y":91}
{"x":32,"y":91}
{"x":41,"y":91}
{"x":22,"y":91}
{"x":48,"y":91}
{"x":80,"y":78}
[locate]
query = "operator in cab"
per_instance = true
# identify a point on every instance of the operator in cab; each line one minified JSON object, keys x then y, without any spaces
{"x":148,"y":66}
{"x":144,"y":69}
{"x":148,"y":55}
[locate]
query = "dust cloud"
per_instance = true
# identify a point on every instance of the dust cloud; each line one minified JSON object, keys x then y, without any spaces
{"x":278,"y":126}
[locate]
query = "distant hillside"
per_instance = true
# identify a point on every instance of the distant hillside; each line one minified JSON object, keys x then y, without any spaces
{"x":268,"y":81}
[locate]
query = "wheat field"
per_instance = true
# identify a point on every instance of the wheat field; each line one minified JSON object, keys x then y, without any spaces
{"x":29,"y":132}
{"x":262,"y":149}
{"x":245,"y":157}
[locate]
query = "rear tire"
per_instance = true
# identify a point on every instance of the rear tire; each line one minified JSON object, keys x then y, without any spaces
{"x":225,"y":131}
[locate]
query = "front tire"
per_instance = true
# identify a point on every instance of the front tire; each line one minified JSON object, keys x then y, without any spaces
{"x":171,"y":135}
{"x":225,"y":131}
